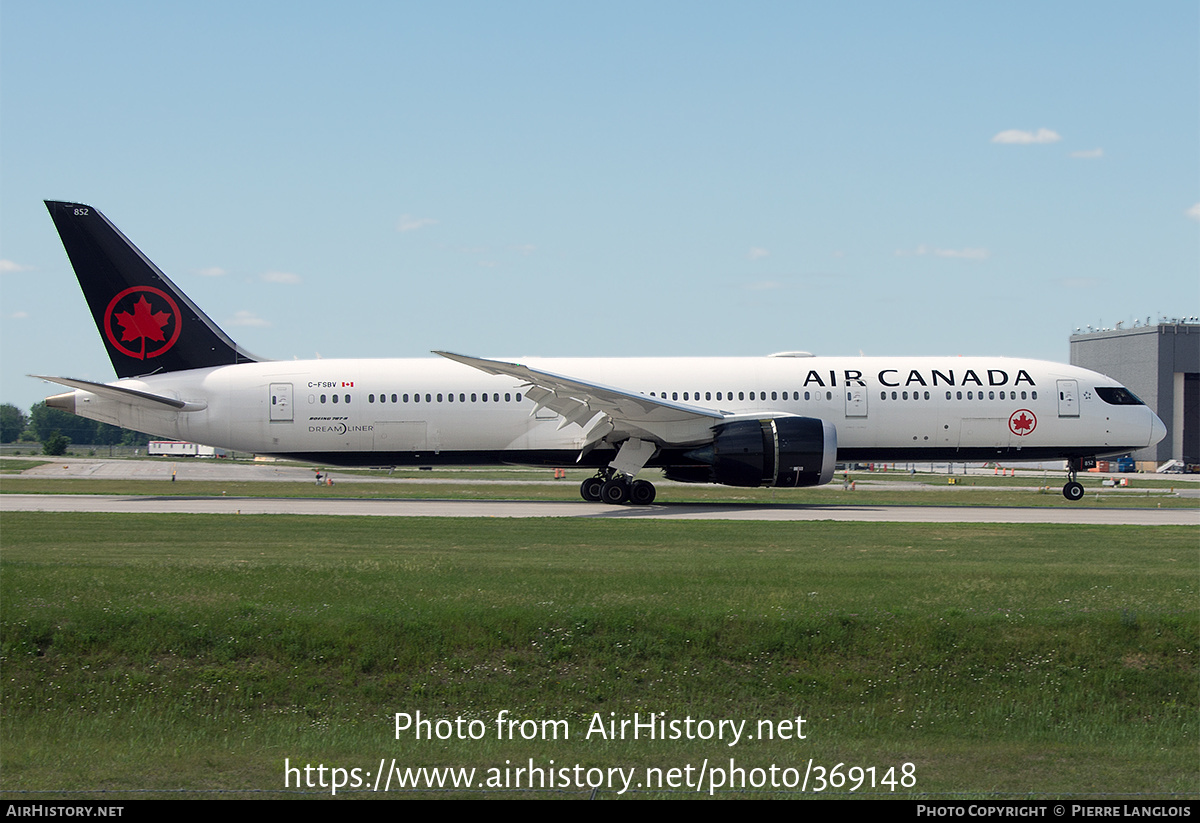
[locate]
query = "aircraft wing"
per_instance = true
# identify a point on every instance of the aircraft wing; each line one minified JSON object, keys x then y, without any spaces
{"x":602,"y":410}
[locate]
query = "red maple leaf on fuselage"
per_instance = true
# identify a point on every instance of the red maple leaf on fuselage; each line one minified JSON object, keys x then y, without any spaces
{"x":142,"y":324}
{"x":1022,"y":422}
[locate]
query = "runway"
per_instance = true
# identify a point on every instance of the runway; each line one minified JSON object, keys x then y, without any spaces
{"x":670,"y":511}
{"x":107,"y":469}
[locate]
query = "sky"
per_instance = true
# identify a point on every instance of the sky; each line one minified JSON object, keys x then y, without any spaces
{"x":621,"y":179}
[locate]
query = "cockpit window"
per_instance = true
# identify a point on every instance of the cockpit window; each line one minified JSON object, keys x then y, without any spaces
{"x":1118,"y":396}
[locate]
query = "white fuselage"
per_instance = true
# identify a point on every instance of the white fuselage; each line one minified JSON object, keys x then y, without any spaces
{"x":428,"y":411}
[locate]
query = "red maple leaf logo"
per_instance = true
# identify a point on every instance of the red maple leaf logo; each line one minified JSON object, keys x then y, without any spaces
{"x":1022,"y":422}
{"x":143,"y":323}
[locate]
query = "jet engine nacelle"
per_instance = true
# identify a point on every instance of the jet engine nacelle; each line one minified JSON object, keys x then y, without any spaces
{"x":778,"y":451}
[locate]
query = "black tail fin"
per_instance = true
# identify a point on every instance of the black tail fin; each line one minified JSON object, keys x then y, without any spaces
{"x":147,"y":324}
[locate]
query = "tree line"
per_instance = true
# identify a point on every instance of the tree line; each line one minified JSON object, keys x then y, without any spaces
{"x":51,"y":427}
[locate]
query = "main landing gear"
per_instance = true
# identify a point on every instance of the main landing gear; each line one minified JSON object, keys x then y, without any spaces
{"x":612,"y":487}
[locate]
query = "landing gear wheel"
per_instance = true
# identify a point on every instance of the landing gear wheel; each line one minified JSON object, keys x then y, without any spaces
{"x":615,"y":491}
{"x":589,"y":489}
{"x":1073,"y":491}
{"x":642,"y":493}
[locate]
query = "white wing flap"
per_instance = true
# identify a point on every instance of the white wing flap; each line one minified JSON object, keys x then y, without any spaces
{"x":578,"y":401}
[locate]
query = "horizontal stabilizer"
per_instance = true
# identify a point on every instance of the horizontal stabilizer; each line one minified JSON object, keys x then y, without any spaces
{"x":124,"y":395}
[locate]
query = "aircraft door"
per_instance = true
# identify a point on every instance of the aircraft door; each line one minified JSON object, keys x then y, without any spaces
{"x":856,"y":401}
{"x":281,"y":403}
{"x":1068,"y":398}
{"x":400,"y":436}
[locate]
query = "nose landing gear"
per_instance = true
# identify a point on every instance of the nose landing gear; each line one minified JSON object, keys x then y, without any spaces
{"x":1073,"y":490}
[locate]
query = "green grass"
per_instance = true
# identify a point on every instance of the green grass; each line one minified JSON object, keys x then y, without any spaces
{"x":11,"y":465}
{"x":197,"y":652}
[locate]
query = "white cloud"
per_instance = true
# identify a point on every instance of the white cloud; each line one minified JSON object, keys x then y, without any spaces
{"x":409,"y":223}
{"x":525,"y":249}
{"x":9,"y":267}
{"x":281,"y":277}
{"x":764,"y":285}
{"x":1026,"y":137}
{"x":211,"y":271}
{"x":756,"y":253}
{"x":1194,"y":212}
{"x":1088,"y":154}
{"x":246,"y":318}
{"x":19,"y":315}
{"x":955,"y":254}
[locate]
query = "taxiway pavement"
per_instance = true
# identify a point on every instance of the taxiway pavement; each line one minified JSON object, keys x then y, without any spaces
{"x":666,"y":511}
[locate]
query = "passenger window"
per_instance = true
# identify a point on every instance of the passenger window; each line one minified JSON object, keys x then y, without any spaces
{"x":335,"y":398}
{"x":322,"y":398}
{"x":439,"y":397}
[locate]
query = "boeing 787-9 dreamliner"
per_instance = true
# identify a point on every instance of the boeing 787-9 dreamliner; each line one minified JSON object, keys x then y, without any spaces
{"x":778,"y":420}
